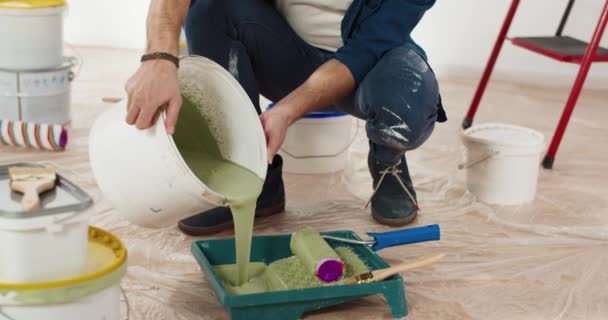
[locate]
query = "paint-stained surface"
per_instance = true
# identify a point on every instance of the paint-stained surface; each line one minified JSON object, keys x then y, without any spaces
{"x":233,"y":63}
{"x":399,"y":100}
{"x":545,"y":260}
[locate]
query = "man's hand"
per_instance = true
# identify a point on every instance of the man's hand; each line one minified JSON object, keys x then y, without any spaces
{"x":155,"y":84}
{"x":275,"y":122}
{"x":329,"y":83}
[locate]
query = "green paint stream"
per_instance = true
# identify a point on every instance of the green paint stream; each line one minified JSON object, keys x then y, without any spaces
{"x":238,"y":185}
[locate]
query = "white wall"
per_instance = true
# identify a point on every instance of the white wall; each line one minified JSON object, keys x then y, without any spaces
{"x":454,"y":32}
{"x":114,"y":23}
{"x":463,"y":32}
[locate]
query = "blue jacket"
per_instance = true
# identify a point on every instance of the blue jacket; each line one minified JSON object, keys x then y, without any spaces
{"x":371,"y":28}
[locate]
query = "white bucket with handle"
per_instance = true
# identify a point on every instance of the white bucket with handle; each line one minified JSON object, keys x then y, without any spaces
{"x":142,"y":173}
{"x":318,"y":143}
{"x":502,"y":162}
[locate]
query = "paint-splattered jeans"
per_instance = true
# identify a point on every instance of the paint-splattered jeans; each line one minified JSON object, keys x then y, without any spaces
{"x":399,"y":98}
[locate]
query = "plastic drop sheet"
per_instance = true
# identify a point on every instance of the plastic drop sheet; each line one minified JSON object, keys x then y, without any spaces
{"x":545,"y":260}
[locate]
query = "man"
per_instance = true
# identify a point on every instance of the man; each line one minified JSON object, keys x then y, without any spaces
{"x":355,"y":56}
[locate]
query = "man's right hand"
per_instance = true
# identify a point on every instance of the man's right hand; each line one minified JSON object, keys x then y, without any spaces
{"x":154,"y":85}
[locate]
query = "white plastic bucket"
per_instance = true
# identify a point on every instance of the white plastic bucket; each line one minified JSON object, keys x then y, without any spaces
{"x":31,"y":38}
{"x":142,"y":172}
{"x":31,"y":242}
{"x":30,"y":248}
{"x":104,"y":305}
{"x":37,"y":96}
{"x":94,"y":294}
{"x":503,"y":162}
{"x":318,"y":143}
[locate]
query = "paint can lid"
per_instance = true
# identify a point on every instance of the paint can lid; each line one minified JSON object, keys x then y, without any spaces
{"x":65,"y":204}
{"x":106,"y":266}
{"x":30,"y":4}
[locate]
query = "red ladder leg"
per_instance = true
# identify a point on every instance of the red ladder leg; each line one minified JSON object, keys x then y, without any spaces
{"x":576,"y":89}
{"x":485,"y":78}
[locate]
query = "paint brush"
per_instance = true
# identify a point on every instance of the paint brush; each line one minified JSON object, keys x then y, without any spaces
{"x":379,"y":275}
{"x":31,"y":182}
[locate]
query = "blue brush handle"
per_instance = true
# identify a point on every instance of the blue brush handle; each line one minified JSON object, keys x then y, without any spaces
{"x":405,"y":236}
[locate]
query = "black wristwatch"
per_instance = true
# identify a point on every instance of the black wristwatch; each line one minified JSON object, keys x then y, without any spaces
{"x":161,"y":56}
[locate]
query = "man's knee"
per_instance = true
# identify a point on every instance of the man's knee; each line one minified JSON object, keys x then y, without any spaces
{"x":400,"y":98}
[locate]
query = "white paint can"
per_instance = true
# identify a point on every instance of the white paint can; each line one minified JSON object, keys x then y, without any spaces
{"x":30,"y":242}
{"x":503,"y":162}
{"x":94,"y":294}
{"x":42,"y":96}
{"x":318,"y":143}
{"x":31,"y":34}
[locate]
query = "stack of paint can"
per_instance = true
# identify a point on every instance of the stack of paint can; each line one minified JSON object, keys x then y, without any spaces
{"x":53,"y":265}
{"x":35,"y":77}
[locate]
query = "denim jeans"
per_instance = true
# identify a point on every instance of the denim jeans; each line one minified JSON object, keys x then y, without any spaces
{"x":399,"y":98}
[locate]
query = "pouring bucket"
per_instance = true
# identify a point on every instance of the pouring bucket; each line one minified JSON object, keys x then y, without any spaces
{"x":142,"y":173}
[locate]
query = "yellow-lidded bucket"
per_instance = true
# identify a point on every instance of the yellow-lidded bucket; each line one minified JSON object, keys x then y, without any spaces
{"x":30,"y":4}
{"x":31,"y":33}
{"x":95,"y":293}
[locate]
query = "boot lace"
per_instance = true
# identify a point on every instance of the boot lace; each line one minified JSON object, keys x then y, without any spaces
{"x":394,"y":171}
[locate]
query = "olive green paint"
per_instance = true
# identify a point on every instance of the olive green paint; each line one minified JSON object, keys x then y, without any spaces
{"x":240,"y":186}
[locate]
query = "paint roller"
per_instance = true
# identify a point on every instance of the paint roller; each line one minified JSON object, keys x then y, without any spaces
{"x":49,"y":137}
{"x":316,"y":255}
{"x":321,"y":260}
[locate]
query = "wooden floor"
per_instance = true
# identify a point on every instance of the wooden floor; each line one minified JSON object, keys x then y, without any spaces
{"x":546,"y":260}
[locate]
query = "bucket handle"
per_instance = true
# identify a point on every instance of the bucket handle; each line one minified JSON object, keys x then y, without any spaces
{"x":74,"y":61}
{"x":488,"y":156}
{"x":352,"y":140}
{"x":5,"y":316}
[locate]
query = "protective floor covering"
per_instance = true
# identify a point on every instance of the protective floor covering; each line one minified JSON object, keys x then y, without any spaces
{"x":545,"y":260}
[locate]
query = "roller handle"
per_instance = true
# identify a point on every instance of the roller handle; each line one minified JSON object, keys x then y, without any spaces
{"x":405,"y":236}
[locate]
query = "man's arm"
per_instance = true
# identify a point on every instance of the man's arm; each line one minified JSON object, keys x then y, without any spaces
{"x":155,"y":83}
{"x":389,"y":27}
{"x":328,"y":84}
{"x":164,"y":23}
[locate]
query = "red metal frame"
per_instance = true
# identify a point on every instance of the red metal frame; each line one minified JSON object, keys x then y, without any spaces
{"x":485,"y":78}
{"x":554,"y":55}
{"x":585,"y":63}
{"x":576,"y":90}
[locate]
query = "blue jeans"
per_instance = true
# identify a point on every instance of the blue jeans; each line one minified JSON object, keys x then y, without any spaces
{"x":399,"y":98}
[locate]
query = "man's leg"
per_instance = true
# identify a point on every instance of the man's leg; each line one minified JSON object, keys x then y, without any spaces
{"x":256,"y":45}
{"x":399,"y":99}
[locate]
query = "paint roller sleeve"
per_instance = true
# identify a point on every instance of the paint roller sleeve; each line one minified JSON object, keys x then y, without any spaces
{"x":33,"y":135}
{"x":316,"y":255}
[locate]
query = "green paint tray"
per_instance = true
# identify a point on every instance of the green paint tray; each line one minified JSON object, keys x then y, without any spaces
{"x":292,"y":304}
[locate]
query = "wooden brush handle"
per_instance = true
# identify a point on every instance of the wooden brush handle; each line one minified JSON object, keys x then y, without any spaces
{"x":31,"y":190}
{"x":31,"y":199}
{"x":382,"y":274}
